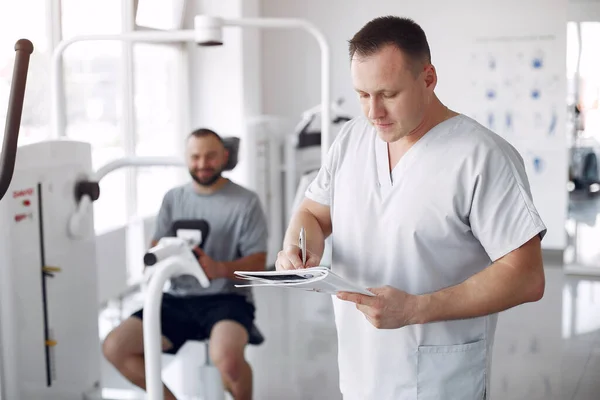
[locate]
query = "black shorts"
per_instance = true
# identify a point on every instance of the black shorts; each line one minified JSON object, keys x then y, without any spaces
{"x":193,"y":317}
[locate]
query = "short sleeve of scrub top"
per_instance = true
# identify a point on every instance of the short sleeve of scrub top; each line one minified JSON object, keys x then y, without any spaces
{"x":320,"y":189}
{"x":503,"y":216}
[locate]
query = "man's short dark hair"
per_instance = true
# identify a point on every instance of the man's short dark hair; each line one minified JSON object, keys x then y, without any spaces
{"x":204,"y":132}
{"x":403,"y":33}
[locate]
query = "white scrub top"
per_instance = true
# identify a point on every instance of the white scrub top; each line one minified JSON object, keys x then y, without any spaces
{"x":456,"y":201}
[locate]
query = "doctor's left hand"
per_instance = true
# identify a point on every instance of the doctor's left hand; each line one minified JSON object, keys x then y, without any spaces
{"x":390,"y":308}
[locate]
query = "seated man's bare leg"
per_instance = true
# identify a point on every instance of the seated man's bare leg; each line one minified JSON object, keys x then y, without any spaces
{"x":228,"y":340}
{"x":124,"y":348}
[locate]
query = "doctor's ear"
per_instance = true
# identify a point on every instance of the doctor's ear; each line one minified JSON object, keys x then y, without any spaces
{"x":430,"y":76}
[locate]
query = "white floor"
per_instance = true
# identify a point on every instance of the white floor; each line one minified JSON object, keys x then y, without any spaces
{"x":545,"y":350}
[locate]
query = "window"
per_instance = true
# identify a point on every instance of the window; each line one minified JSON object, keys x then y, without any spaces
{"x":158,"y":131}
{"x":93,"y":90}
{"x":160,"y":14}
{"x":96,"y":74}
{"x":122,"y":98}
{"x":589,"y":80}
{"x":26,"y":19}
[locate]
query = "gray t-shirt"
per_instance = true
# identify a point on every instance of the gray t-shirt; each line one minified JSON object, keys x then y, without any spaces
{"x":238,"y":228}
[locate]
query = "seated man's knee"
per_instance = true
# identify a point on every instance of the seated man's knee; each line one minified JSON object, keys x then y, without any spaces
{"x":230,"y":362}
{"x":228,"y":340}
{"x":123,"y":341}
{"x":111,"y":348}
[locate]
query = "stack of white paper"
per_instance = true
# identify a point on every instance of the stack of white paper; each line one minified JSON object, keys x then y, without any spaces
{"x":316,"y":279}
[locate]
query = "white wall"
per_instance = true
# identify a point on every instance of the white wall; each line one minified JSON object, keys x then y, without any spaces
{"x":290,"y":66}
{"x":583,"y":10}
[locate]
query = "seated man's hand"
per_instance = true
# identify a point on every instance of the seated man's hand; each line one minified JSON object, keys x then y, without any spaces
{"x":213,"y":269}
{"x":290,"y":258}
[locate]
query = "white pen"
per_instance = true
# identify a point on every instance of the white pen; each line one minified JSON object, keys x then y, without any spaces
{"x":302,"y":245}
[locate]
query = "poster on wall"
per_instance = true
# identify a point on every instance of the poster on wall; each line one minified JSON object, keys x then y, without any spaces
{"x":516,"y":90}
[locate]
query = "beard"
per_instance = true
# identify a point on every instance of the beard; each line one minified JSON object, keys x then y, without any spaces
{"x":208,"y":181}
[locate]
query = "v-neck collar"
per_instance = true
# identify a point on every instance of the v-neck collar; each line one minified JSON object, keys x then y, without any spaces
{"x":392,"y":178}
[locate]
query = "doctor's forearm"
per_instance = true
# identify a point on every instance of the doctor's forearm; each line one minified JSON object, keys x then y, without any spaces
{"x":315,"y":237}
{"x":497,"y":288}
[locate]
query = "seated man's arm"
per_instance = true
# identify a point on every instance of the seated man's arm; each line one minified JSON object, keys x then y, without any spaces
{"x":164,"y":220}
{"x":252,"y":262}
{"x":252,"y":245}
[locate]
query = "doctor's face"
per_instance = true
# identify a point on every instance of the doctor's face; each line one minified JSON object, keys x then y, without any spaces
{"x":206,"y":157}
{"x":393,"y":95}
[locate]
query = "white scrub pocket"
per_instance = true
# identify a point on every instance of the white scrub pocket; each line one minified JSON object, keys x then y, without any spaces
{"x":452,"y":372}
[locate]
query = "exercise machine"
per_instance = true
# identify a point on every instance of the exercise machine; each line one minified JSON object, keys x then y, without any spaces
{"x":23,"y":49}
{"x":170,"y":257}
{"x":303,"y":149}
{"x":48,"y":299}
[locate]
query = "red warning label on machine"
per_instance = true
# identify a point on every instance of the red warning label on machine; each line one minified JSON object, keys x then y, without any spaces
{"x":22,"y":193}
{"x":21,"y":217}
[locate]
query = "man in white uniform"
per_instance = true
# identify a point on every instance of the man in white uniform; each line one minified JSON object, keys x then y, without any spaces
{"x":430,"y":210}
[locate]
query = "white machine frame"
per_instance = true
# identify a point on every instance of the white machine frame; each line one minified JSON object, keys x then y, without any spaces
{"x":207,"y":32}
{"x":179,"y":261}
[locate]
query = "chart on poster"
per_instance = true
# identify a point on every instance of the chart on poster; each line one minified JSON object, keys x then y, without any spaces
{"x":515,"y":88}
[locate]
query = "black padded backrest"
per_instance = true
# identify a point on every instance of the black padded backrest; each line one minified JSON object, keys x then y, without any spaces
{"x":232,"y":144}
{"x":193,"y":224}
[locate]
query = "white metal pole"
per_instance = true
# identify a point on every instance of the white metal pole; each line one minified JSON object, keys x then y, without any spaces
{"x":152,"y":332}
{"x":58,"y":107}
{"x":291,"y":23}
{"x":85,"y":203}
{"x":151,"y":323}
{"x":137,"y":162}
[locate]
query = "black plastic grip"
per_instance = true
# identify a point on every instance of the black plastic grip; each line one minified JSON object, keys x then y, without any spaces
{"x":23,"y":49}
{"x":150,"y":259}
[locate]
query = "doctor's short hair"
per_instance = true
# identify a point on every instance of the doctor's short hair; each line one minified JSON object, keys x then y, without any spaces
{"x":403,"y":33}
{"x":204,"y":132}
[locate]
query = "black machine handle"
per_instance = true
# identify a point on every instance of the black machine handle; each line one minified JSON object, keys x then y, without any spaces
{"x":23,"y":49}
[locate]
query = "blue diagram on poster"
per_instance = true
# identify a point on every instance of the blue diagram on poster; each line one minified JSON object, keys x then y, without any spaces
{"x":509,"y":121}
{"x":538,"y":164}
{"x":512,"y":76}
{"x":516,"y":85}
{"x":538,"y":59}
{"x":492,"y":62}
{"x":553,"y":121}
{"x":490,"y":121}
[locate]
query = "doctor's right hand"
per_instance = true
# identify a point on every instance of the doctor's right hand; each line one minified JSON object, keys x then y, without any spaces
{"x":290,"y":258}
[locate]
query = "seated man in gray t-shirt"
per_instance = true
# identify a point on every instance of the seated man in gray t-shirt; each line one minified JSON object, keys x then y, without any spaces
{"x":221,"y":312}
